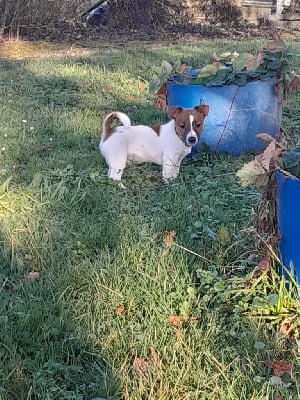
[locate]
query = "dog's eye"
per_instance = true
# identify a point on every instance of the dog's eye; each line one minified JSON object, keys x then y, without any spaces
{"x":182,"y":125}
{"x":198,"y":124}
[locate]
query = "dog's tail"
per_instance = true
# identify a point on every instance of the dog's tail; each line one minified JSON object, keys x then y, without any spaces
{"x":109,"y":119}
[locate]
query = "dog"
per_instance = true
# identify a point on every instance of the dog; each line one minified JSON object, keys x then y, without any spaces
{"x":165,"y":145}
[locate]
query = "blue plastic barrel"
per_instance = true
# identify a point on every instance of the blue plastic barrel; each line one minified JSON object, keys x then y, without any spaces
{"x":237,"y":113}
{"x":288,"y":216}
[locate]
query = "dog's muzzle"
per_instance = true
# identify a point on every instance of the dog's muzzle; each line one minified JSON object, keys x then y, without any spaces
{"x":191,"y":140}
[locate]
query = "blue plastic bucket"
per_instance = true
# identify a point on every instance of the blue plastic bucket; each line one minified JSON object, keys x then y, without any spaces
{"x":288,"y":216}
{"x":237,"y":113}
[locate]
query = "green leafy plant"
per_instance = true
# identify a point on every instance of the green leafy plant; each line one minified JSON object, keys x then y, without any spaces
{"x":230,"y":68}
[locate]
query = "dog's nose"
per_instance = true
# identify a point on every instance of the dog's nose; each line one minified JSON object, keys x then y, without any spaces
{"x":192,"y":140}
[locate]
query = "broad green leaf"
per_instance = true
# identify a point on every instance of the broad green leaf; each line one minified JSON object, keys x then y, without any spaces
{"x":258,"y":302}
{"x":290,"y":158}
{"x":225,"y":55}
{"x":259,"y":345}
{"x":240,"y":62}
{"x":241,"y":80}
{"x":177,"y":66}
{"x":273,"y":299}
{"x":275,"y":380}
{"x":157,"y":70}
{"x":167,"y":66}
{"x":270,"y":55}
{"x":276,"y":64}
{"x":198,"y":224}
{"x":154,"y":85}
{"x":208,"y":70}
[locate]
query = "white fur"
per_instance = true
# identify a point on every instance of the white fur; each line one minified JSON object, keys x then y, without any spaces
{"x":139,"y":144}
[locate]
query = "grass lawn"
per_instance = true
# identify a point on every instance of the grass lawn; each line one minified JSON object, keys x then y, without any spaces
{"x":125,"y":308}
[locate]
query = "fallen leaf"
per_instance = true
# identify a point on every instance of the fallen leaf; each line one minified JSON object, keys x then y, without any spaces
{"x":259,"y":59}
{"x":15,"y":169}
{"x":249,"y":173}
{"x":33,"y":276}
{"x":168,"y":241}
{"x":141,"y":85}
{"x":161,"y":102}
{"x":264,"y":264}
{"x":294,"y":85}
{"x":183,"y":67}
{"x":141,"y":366}
{"x":267,"y":155}
{"x":176,"y":320}
{"x":30,"y":277}
{"x":215,"y":57}
{"x":265,"y":137}
{"x":287,"y":328}
{"x":279,"y":367}
{"x":121,"y":310}
{"x":45,"y":149}
{"x":161,"y":97}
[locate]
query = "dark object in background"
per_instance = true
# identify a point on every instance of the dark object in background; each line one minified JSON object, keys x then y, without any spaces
{"x":100,"y":14}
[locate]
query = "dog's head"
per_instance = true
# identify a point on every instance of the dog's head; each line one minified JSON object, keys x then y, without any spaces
{"x":189,"y":123}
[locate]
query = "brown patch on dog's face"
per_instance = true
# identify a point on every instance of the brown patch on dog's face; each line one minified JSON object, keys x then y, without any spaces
{"x":156,"y":129}
{"x":189,"y":123}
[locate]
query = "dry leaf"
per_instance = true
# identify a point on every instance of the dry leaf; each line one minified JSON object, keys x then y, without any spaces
{"x":279,"y":367}
{"x":46,"y":149}
{"x":259,"y":59}
{"x":121,"y":310}
{"x":32,"y":276}
{"x":141,"y":85}
{"x":249,"y":173}
{"x":161,"y":97}
{"x":263,"y":266}
{"x":168,"y":241}
{"x":287,"y":328}
{"x":183,"y":67}
{"x":176,"y":320}
{"x":265,"y":137}
{"x":215,"y":57}
{"x":294,"y":85}
{"x":141,"y":366}
{"x":267,"y":155}
{"x":15,"y":169}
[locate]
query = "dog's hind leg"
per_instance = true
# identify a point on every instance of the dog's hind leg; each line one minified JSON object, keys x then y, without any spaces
{"x":115,"y":172}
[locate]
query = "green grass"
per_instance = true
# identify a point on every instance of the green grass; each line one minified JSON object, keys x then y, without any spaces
{"x":98,"y":248}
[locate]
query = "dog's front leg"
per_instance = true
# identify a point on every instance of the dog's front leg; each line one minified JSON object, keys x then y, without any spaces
{"x":170,"y":170}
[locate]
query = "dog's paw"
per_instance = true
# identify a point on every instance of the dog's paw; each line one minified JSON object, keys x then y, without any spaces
{"x":121,"y":186}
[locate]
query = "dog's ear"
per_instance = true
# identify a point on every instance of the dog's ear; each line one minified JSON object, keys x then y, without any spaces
{"x":173,"y":112}
{"x":202,"y":109}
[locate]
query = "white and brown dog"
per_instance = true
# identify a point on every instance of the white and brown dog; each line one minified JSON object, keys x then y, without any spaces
{"x":165,"y":145}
